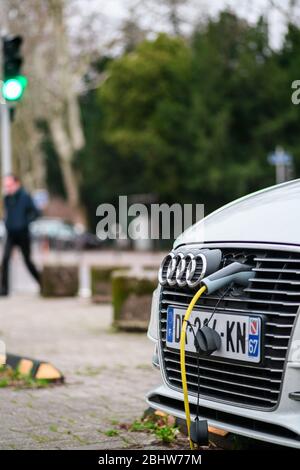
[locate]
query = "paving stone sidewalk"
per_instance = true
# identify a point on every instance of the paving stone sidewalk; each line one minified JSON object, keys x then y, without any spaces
{"x":107,"y":375}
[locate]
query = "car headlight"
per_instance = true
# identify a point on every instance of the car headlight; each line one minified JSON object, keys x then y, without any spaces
{"x":153,"y":325}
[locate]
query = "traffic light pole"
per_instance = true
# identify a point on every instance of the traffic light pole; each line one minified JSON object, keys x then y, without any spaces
{"x":5,"y":123}
{"x":6,"y":163}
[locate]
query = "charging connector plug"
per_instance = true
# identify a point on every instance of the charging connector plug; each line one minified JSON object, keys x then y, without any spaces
{"x":235,"y":272}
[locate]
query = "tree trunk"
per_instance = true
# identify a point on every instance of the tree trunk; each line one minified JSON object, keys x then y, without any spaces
{"x":74,"y":123}
{"x":65,"y":153}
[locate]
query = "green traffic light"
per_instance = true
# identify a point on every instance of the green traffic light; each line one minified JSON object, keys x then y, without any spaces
{"x":13,"y":88}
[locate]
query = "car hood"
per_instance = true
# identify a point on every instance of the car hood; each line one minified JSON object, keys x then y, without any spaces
{"x":271,"y":215}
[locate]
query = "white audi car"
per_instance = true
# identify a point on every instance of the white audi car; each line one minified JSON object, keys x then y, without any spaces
{"x":251,"y":384}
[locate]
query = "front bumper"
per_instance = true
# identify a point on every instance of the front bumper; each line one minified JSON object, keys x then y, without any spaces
{"x":281,"y":426}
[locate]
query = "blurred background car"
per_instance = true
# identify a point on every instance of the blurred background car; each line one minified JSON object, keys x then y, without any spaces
{"x":63,"y":235}
{"x":59,"y":234}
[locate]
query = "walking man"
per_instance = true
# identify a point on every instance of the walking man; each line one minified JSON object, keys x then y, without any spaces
{"x":19,"y":211}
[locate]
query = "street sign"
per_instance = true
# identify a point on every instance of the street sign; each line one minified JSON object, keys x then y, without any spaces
{"x":283,"y":163}
{"x":280,"y":157}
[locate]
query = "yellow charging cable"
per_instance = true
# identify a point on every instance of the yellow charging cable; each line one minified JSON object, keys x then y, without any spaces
{"x":182,"y":359}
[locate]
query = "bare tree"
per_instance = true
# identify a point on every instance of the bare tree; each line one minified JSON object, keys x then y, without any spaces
{"x":176,"y":16}
{"x":53,"y":91}
{"x":290,"y":9}
{"x":131,"y":31}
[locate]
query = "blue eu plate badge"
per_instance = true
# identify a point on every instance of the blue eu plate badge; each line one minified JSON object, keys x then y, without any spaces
{"x":170,"y":324}
{"x":254,"y":337}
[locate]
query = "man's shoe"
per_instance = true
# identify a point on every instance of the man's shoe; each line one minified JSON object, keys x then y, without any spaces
{"x":3,"y":293}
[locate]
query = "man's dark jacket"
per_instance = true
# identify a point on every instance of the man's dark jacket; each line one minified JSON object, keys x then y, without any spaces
{"x":19,"y":211}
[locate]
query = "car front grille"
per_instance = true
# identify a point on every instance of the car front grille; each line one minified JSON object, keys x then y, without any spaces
{"x":274,"y":293}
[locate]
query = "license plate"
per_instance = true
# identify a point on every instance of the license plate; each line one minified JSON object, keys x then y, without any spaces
{"x":240,"y":334}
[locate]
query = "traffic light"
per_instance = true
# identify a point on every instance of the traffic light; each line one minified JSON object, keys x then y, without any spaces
{"x":14,"y":83}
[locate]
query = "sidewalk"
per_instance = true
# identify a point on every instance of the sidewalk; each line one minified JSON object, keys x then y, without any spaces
{"x":107,"y":375}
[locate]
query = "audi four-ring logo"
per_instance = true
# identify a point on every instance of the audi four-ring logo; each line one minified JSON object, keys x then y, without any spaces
{"x":182,"y":269}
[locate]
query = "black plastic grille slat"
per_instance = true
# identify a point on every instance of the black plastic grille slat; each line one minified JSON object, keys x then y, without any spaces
{"x":274,"y":292}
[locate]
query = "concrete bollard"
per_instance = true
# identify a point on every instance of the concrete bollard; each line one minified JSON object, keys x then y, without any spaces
{"x":131,"y":296}
{"x":60,"y":281}
{"x":101,"y":290}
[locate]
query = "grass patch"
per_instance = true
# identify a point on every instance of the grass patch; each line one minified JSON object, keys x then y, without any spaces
{"x":111,"y":433}
{"x":159,"y":424}
{"x":53,"y":428}
{"x":114,"y":422}
{"x":40,"y":439}
{"x":13,"y":378}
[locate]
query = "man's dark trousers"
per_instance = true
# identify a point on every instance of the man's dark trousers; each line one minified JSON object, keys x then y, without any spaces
{"x":21,"y":239}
